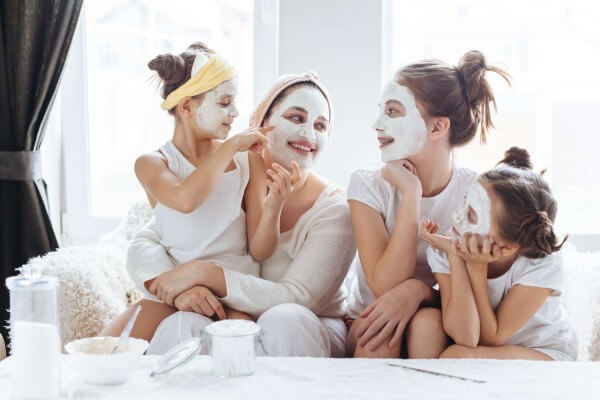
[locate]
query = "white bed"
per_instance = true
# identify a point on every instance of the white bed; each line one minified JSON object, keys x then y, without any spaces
{"x":95,"y":288}
{"x":313,"y":378}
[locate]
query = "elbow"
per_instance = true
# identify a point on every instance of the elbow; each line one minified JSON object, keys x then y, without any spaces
{"x":187,"y":202}
{"x":375,"y":289}
{"x":467,"y":339}
{"x":260,"y":250}
{"x":462,"y":335}
{"x":185,"y":207}
{"x":377,"y":286}
{"x":130,"y":261}
{"x":259,"y":255}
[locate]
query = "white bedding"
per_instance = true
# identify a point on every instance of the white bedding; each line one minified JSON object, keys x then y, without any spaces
{"x":316,"y":378}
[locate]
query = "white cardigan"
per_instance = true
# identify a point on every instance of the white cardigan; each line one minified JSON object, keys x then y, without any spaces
{"x":308,"y":267}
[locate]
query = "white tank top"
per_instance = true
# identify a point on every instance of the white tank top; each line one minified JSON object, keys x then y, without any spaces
{"x":216,"y":230}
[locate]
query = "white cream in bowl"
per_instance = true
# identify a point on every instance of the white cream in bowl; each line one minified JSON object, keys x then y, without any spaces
{"x":94,"y":364}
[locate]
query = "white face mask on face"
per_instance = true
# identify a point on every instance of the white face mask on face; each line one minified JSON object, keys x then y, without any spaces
{"x":401,"y":136}
{"x":299,"y":136}
{"x":478,"y":201}
{"x":212,"y":115}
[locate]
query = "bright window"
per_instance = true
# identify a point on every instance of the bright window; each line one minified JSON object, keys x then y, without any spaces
{"x":552,"y":107}
{"x":124,"y":118}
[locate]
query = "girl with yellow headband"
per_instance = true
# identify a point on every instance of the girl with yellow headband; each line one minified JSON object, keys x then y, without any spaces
{"x":209,"y":193}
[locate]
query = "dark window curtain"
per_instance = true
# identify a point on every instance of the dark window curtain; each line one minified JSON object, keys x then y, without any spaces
{"x":35,"y":36}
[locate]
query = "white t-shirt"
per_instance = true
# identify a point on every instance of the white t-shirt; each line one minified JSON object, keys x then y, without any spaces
{"x":548,"y":330}
{"x":369,"y":187}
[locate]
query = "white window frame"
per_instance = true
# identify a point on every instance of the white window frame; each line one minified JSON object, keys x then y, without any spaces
{"x":583,"y":242}
{"x":78,"y":223}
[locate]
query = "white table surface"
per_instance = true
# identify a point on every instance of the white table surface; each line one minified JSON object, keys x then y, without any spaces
{"x":312,"y":378}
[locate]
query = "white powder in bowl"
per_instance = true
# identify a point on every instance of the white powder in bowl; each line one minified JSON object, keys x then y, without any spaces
{"x":99,"y":345}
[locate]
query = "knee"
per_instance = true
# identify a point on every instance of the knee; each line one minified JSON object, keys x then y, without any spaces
{"x":458,"y":351}
{"x":175,"y":329}
{"x":143,"y":302}
{"x":191,"y":323}
{"x":426,"y":320}
{"x":357,"y":326}
{"x":287,"y":317}
{"x":294,"y":330}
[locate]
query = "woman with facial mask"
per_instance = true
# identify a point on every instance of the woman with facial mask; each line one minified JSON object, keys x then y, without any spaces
{"x":208,"y":192}
{"x":299,"y":298}
{"x":500,"y":272}
{"x":426,"y":110}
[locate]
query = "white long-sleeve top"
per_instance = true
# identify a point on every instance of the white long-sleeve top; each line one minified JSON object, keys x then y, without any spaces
{"x":308,"y":267}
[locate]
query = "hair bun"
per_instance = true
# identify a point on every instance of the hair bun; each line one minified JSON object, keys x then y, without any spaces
{"x":517,"y":157}
{"x":537,"y":230}
{"x":170,"y":68}
{"x":472,"y":67}
{"x":471,"y":71}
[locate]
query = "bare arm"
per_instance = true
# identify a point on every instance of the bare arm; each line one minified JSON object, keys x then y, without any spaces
{"x":519,"y":305}
{"x":263,"y":211}
{"x":386,"y":261}
{"x":516,"y":308}
{"x":185,"y":195}
{"x":459,"y":311}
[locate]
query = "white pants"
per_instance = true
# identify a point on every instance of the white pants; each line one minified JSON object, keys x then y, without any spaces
{"x":289,"y":330}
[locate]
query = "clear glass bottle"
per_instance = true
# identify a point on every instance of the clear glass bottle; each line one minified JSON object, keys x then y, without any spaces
{"x":35,"y":336}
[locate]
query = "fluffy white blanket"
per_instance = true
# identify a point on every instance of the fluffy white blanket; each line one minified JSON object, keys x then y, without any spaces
{"x":95,"y":285}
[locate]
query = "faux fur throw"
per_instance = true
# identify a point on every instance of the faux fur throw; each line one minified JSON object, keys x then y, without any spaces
{"x":94,"y":284}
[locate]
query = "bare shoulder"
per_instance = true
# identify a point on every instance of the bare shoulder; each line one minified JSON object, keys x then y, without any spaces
{"x":150,"y":162}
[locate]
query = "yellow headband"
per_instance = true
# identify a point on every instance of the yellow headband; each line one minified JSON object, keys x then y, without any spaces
{"x":216,"y":71}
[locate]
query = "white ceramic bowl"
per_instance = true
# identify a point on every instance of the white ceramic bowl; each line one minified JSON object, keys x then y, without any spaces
{"x":94,"y":363}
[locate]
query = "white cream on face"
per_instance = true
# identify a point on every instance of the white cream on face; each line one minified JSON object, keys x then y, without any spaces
{"x":217,"y":110}
{"x":300,"y":132}
{"x":401,"y":136}
{"x":478,"y":201}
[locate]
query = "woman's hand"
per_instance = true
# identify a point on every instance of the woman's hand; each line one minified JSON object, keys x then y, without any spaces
{"x":252,"y":139}
{"x":403,"y":176}
{"x":280,"y":183}
{"x":172,"y":283}
{"x":388,"y":316}
{"x":444,"y":243}
{"x":200,"y":300}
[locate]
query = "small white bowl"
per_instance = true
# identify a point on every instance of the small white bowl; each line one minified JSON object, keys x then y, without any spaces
{"x":94,"y":363}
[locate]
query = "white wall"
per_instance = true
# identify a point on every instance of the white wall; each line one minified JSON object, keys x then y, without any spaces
{"x":336,"y":39}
